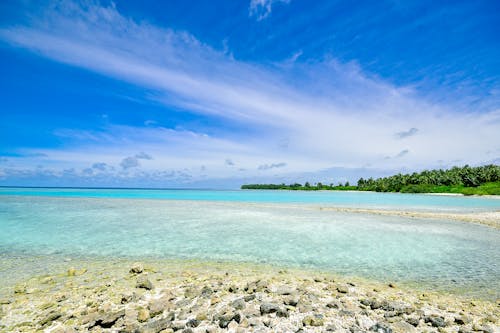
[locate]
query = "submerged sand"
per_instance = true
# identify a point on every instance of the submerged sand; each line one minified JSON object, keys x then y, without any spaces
{"x":190,"y":296}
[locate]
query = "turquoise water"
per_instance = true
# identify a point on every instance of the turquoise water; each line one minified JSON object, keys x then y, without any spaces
{"x":283,"y":230}
{"x":336,"y":198}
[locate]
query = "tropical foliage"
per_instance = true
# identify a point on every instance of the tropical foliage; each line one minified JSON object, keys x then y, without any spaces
{"x":466,"y":180}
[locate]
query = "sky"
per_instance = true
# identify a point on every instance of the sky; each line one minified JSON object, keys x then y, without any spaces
{"x":214,"y":94}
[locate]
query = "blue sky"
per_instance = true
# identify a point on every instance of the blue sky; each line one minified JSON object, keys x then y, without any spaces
{"x":219,"y":93}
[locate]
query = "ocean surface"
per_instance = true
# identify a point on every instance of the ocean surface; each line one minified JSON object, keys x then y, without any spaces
{"x":274,"y":227}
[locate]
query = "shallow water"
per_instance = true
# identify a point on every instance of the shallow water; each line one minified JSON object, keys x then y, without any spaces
{"x":443,"y":255}
{"x":336,"y":198}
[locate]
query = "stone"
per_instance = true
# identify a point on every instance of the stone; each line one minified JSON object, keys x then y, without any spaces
{"x":107,"y":320}
{"x":342,"y":289}
{"x":143,"y":315}
{"x":435,"y":321}
{"x":380,"y":328}
{"x":20,"y":288}
{"x":364,"y":322}
{"x":51,"y":316}
{"x":292,"y":300}
{"x":285,"y":290}
{"x":178,"y":325}
{"x":403,"y":327}
{"x":144,"y":283}
{"x":462,"y":320}
{"x":136,"y":268}
{"x":157,"y":325}
{"x":269,"y":308}
{"x":413,"y":321}
{"x":282,"y":313}
{"x":238,"y":304}
{"x":206,"y":291}
{"x":314,"y":320}
{"x":193,"y":323}
{"x":249,"y":298}
{"x":157,"y":306}
{"x":71,"y":271}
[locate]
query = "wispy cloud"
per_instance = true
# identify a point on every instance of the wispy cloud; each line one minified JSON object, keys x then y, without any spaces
{"x":314,"y":114}
{"x":402,"y":153}
{"x":261,"y":9}
{"x":404,"y":134}
{"x":272,"y":166}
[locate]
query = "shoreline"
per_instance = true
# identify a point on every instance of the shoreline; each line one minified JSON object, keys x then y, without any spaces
{"x":194,"y":296}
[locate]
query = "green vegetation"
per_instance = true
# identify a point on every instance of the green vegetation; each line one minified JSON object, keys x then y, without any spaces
{"x":482,"y":180}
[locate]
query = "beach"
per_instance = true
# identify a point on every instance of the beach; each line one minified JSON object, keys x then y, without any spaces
{"x":216,"y":261}
{"x":192,"y":296}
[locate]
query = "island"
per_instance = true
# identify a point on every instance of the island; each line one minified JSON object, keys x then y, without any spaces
{"x":466,"y":180}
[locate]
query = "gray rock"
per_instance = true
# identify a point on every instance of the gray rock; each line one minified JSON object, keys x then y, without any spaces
{"x":144,"y":283}
{"x":435,"y":321}
{"x":192,"y":323}
{"x":249,"y":298}
{"x":238,"y":304}
{"x":107,"y":320}
{"x":269,"y":308}
{"x":292,"y":300}
{"x":380,"y":328}
{"x":206,"y":291}
{"x":314,"y":320}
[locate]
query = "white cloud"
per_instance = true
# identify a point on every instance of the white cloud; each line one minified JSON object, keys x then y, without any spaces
{"x":313,"y":115}
{"x":261,"y":9}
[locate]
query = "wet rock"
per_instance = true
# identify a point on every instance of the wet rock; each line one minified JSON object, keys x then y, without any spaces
{"x":136,"y":268}
{"x":269,"y":308}
{"x":51,"y":316}
{"x":20,"y":288}
{"x":314,"y":320}
{"x":144,"y":283}
{"x":107,"y":320}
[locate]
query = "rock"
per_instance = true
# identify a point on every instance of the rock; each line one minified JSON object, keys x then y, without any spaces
{"x":331,"y":328}
{"x":192,"y":323}
{"x":71,"y":271}
{"x":315,"y":320}
{"x":462,"y":320}
{"x":107,"y":320}
{"x":343,"y":289}
{"x":268,"y":308}
{"x":399,"y":307}
{"x":136,"y":268}
{"x":238,"y":304}
{"x":157,"y":325}
{"x":201,"y":316}
{"x":292,"y":300}
{"x":364,"y":322}
{"x":143,"y":315}
{"x":285,"y":290}
{"x":413,"y":321}
{"x":144,"y":283}
{"x":282,"y":313}
{"x":54,"y":315}
{"x":157,"y":306}
{"x":206,"y":291}
{"x":392,"y":285}
{"x":403,"y":327}
{"x":225,"y":319}
{"x":20,"y":288}
{"x":334,"y":304}
{"x":178,"y":325}
{"x":249,"y":298}
{"x":435,"y":321}
{"x":380,"y":328}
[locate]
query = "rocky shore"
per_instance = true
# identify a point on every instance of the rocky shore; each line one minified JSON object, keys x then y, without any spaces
{"x":186,"y":297}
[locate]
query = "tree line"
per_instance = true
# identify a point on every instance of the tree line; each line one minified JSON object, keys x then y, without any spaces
{"x":466,"y":180}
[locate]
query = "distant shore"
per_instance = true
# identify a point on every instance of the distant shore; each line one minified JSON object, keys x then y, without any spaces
{"x":189,"y":296}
